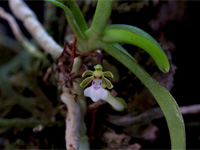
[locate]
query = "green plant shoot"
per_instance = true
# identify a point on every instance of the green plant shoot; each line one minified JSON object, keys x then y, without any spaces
{"x":98,"y":36}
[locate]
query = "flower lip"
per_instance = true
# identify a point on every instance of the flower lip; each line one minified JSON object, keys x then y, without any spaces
{"x":95,"y":91}
{"x":96,"y":87}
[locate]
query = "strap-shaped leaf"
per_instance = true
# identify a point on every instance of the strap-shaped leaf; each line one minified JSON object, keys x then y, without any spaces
{"x":86,"y":81}
{"x":70,"y":18}
{"x":102,"y":13}
{"x":135,"y":36}
{"x":166,"y":102}
{"x":72,"y":5}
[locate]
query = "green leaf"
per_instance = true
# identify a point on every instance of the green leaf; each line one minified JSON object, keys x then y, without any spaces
{"x":166,"y":102}
{"x":135,"y":36}
{"x":70,"y":18}
{"x":101,"y":16}
{"x":72,"y":5}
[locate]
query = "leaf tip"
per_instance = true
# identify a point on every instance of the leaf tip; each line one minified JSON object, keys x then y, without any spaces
{"x":165,"y":69}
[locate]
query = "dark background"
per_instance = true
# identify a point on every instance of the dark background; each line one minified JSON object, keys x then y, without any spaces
{"x":181,"y":26}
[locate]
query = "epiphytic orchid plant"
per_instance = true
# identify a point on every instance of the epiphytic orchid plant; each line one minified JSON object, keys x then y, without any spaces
{"x":99,"y":36}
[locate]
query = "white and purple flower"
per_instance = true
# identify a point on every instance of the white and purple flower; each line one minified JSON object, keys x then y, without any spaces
{"x":95,"y":91}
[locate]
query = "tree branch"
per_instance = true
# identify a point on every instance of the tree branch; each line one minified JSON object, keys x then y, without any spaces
{"x":13,"y":24}
{"x":149,"y":115}
{"x":31,"y":23}
{"x":19,"y":35}
{"x":72,"y":121}
{"x":75,"y":134}
{"x":18,"y":122}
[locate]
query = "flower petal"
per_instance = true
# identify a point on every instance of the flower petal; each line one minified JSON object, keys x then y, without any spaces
{"x":86,"y":81}
{"x":108,"y":74}
{"x":107,"y":83}
{"x":87,"y":72}
{"x":95,"y":94}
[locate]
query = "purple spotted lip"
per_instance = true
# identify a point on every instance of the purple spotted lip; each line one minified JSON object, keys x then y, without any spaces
{"x":96,"y":87}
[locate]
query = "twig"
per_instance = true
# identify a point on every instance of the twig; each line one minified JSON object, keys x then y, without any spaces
{"x":149,"y":115}
{"x":81,"y":100}
{"x":19,"y":35}
{"x":17,"y":122}
{"x":73,"y":52}
{"x":72,"y":121}
{"x":13,"y":24}
{"x":27,"y":16}
{"x":193,"y":109}
{"x":95,"y":105}
{"x":118,"y":141}
{"x":75,"y":127}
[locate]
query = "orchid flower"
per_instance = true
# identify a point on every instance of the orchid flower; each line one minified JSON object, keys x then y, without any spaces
{"x":97,"y":90}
